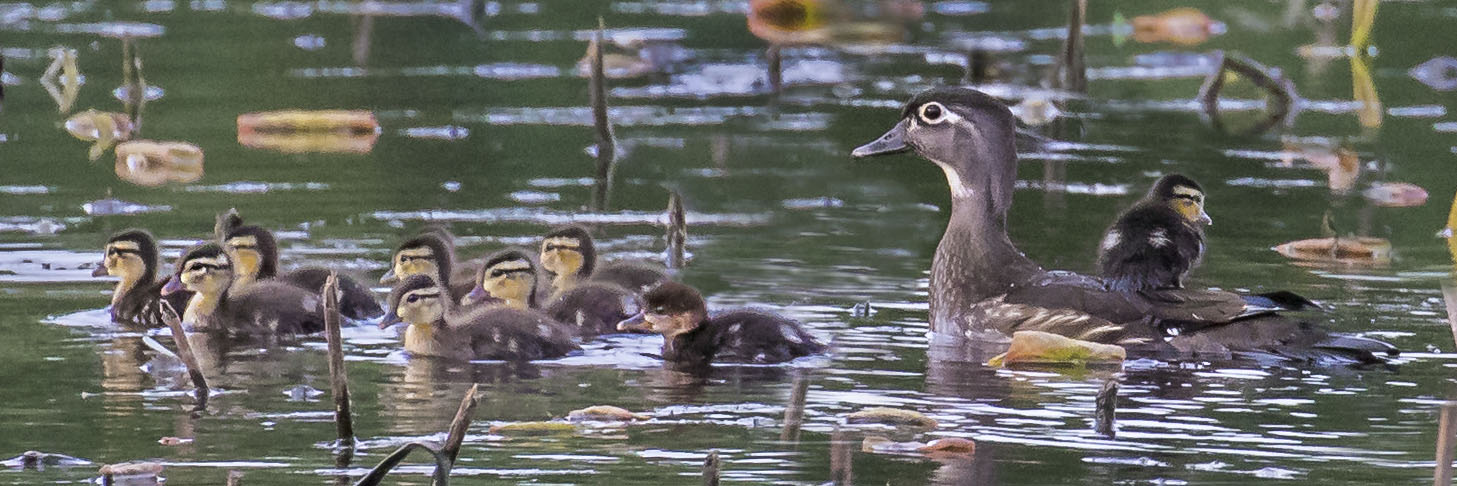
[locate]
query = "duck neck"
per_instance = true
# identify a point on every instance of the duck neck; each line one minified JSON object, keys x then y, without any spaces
{"x":564,"y":281}
{"x":422,"y":338}
{"x":241,"y":282}
{"x":202,"y":307}
{"x":975,"y":259}
{"x":124,"y":287}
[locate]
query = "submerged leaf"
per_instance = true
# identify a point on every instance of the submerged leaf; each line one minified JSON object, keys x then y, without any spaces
{"x":1037,"y":347}
{"x":891,"y":416}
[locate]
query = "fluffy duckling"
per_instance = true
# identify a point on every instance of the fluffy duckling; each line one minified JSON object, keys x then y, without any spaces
{"x":691,"y":338}
{"x":437,"y":327}
{"x":570,"y":256}
{"x":254,"y":253}
{"x":132,"y":256}
{"x":1158,"y":241}
{"x":432,"y":252}
{"x":266,"y":307}
{"x":593,"y":308}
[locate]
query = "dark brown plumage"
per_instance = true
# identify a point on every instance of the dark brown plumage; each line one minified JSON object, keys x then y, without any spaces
{"x":137,"y":298}
{"x":1153,"y":245}
{"x":691,"y":338}
{"x":437,"y":327}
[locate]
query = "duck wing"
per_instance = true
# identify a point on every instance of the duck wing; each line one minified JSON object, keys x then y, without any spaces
{"x":356,"y":302}
{"x":274,"y":307}
{"x":509,"y":334}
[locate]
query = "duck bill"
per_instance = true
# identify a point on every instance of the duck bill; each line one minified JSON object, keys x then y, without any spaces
{"x":388,"y":320}
{"x":476,"y":294}
{"x":389,"y":277}
{"x":893,"y":142}
{"x":1204,"y":218}
{"x":174,"y":285}
{"x":100,"y":270}
{"x":637,"y":323}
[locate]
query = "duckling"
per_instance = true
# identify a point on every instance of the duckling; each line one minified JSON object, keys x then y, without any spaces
{"x":437,"y":327}
{"x":693,"y":339}
{"x":432,"y":252}
{"x":266,"y":307}
{"x":510,"y":277}
{"x":132,"y":255}
{"x":570,"y":256}
{"x":254,"y":253}
{"x":1158,"y":241}
{"x":983,"y":289}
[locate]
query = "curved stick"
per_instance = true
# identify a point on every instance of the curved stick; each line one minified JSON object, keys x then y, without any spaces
{"x":440,"y":477}
{"x":184,"y":351}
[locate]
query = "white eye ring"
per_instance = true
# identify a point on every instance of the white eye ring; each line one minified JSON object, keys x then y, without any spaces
{"x":932,"y":113}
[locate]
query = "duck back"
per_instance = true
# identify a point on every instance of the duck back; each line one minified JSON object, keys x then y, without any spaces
{"x":744,"y":336}
{"x":634,"y":277}
{"x":272,"y":307}
{"x":509,"y":334}
{"x":593,"y":308}
{"x":358,"y":301}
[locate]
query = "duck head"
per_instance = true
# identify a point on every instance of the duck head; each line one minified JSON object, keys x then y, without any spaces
{"x":1182,"y":194}
{"x":425,"y":254}
{"x":130,"y":255}
{"x":669,"y":309}
{"x":253,"y":251}
{"x":969,"y":134}
{"x":419,"y":300}
{"x":568,"y":251}
{"x":205,"y":270}
{"x":509,"y":275}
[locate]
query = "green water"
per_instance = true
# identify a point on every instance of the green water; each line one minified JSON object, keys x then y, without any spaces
{"x":780,"y":217}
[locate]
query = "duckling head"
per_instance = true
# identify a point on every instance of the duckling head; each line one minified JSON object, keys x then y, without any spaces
{"x":509,"y":275}
{"x":205,"y":270}
{"x":1182,"y":194}
{"x":568,"y":251}
{"x":419,"y":300}
{"x":130,"y":255}
{"x":969,"y":134}
{"x":254,"y":252}
{"x":669,"y":309}
{"x":426,"y":254}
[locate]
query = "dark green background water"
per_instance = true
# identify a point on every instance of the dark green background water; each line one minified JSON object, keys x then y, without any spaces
{"x":779,"y":215}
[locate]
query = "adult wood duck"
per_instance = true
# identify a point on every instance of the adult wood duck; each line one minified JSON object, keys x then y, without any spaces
{"x":1157,"y":242}
{"x":432,"y":252}
{"x":983,"y":288}
{"x":438,"y":327}
{"x":570,"y":257}
{"x":254,"y":253}
{"x":511,"y":277}
{"x":132,"y":256}
{"x":691,"y":338}
{"x":264,"y":308}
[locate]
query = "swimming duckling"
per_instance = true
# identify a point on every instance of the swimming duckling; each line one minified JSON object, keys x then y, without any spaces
{"x":437,"y":327}
{"x":254,"y":253}
{"x":692,"y":339}
{"x":983,"y":289}
{"x":570,"y":256}
{"x":592,"y":308}
{"x":432,"y":252}
{"x":1158,"y":241}
{"x":132,"y":255}
{"x":266,"y":307}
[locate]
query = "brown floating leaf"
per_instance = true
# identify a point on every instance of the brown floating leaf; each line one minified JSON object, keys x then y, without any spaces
{"x":604,"y":413}
{"x":1185,"y":26}
{"x":949,"y":445}
{"x":173,"y":441}
{"x":1037,"y":347}
{"x":1396,"y":194}
{"x":1348,"y":250}
{"x":132,"y":469}
{"x":533,"y":428}
{"x":297,"y":131}
{"x":791,"y":22}
{"x":891,"y":416}
{"x":153,"y":163}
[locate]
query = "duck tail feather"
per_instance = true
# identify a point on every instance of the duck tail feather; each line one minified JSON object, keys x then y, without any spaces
{"x":1281,"y":300}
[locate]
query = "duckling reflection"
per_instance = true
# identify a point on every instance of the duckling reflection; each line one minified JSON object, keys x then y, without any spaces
{"x":254,"y":252}
{"x":1158,"y":241}
{"x":423,"y":398}
{"x":692,"y":339}
{"x":132,"y":256}
{"x":438,"y":328}
{"x":265,"y":308}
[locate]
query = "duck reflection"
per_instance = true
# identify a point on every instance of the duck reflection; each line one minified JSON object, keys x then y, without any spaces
{"x":423,"y":398}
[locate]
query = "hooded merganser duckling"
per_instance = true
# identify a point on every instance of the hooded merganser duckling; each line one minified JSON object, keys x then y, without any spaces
{"x":432,"y":252}
{"x":693,"y":339}
{"x":570,"y":256}
{"x":266,"y":307}
{"x":983,"y":287}
{"x":132,"y":256}
{"x":437,"y":327}
{"x":1157,"y":242}
{"x":510,"y":277}
{"x":254,"y":253}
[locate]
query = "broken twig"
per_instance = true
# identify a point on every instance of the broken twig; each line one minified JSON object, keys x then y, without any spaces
{"x":677,"y":230}
{"x":184,"y":352}
{"x":461,"y":423}
{"x":338,"y":377}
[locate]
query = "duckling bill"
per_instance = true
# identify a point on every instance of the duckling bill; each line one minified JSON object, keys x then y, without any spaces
{"x":691,"y":338}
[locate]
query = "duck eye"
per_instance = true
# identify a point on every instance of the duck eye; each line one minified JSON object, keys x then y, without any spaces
{"x":933,"y":113}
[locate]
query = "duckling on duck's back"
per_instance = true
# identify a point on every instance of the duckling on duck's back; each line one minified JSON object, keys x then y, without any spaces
{"x":132,"y":256}
{"x":981,"y":283}
{"x":693,"y":339}
{"x":438,"y":328}
{"x":1158,"y":241}
{"x":254,"y":252}
{"x":263,"y":308}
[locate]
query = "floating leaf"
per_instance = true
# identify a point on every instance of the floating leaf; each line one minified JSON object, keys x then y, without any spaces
{"x":1037,"y":347}
{"x":1184,"y":26}
{"x":297,"y":131}
{"x":891,"y":416}
{"x":604,"y":413}
{"x":1396,"y":194}
{"x":152,"y":163}
{"x":533,"y":428}
{"x":1348,"y":250}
